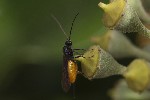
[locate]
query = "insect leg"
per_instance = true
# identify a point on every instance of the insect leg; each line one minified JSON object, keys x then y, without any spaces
{"x":79,"y":56}
{"x":79,"y":49}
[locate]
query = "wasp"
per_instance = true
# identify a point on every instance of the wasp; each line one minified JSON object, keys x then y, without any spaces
{"x":70,"y":67}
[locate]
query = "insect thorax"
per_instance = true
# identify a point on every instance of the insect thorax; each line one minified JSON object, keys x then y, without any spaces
{"x":67,"y":50}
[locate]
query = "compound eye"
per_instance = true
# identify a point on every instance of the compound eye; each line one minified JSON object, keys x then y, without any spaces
{"x":68,"y":43}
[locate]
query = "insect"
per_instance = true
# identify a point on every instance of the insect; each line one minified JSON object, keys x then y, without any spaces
{"x":70,"y":68}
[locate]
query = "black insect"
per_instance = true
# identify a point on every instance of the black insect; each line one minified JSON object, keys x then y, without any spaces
{"x":70,"y":68}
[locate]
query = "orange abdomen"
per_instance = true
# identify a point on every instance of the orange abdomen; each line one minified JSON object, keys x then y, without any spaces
{"x":72,"y":71}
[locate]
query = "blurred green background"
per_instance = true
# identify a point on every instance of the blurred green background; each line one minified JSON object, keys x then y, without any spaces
{"x":31,"y":48}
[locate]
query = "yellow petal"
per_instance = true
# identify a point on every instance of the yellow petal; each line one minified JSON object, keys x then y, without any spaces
{"x":113,"y":12}
{"x":138,"y":75}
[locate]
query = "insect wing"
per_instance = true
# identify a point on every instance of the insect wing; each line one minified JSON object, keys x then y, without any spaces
{"x":65,"y":77}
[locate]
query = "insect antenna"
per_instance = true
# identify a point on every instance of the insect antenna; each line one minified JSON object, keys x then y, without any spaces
{"x":59,"y":25}
{"x":72,"y":24}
